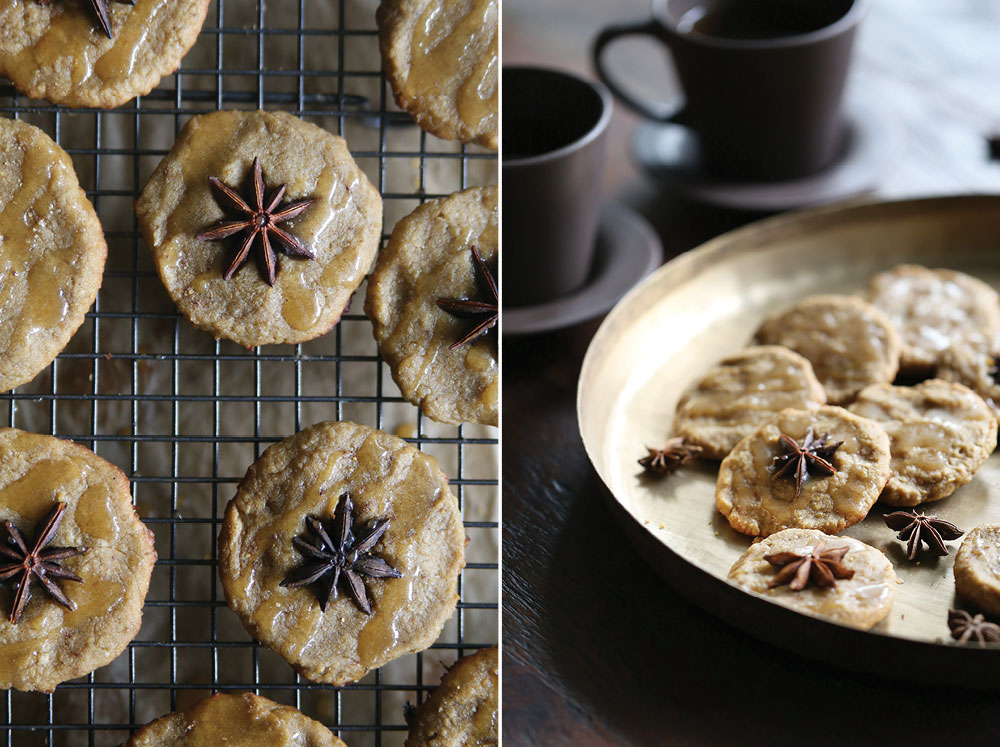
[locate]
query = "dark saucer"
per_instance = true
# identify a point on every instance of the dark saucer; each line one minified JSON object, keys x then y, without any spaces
{"x":627,"y":250}
{"x":873,"y":144}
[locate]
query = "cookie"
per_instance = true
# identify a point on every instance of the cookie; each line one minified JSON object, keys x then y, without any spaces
{"x":849,"y":342}
{"x":975,"y":368}
{"x":933,"y":310}
{"x":441,"y":60}
{"x":977,"y":568}
{"x":59,"y":51}
{"x":757,"y":500}
{"x":239,"y":720}
{"x":339,"y":230}
{"x":429,"y":260}
{"x":940,"y":433}
{"x":52,"y":254}
{"x":309,"y":613}
{"x":462,"y":710}
{"x":860,"y":601}
{"x":52,"y":640}
{"x":742,"y":393}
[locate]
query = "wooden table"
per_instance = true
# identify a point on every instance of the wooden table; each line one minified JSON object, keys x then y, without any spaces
{"x":597,"y":648}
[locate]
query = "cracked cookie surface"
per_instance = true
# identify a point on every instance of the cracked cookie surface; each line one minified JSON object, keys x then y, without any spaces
{"x":51,"y":644}
{"x":441,"y":59}
{"x":341,"y":228}
{"x":933,"y":310}
{"x":52,"y":252}
{"x":56,"y":51}
{"x":860,"y":601}
{"x":940,"y":433}
{"x":743,"y":392}
{"x":237,"y":720}
{"x":305,"y":475}
{"x":756,"y":502}
{"x":848,"y":341}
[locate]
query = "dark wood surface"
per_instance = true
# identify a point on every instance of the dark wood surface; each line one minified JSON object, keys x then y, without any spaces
{"x":597,"y":648}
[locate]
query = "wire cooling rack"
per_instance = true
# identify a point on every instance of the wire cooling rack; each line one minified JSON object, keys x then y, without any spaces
{"x":185,"y":415}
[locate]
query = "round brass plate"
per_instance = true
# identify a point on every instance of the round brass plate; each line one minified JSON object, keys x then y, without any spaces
{"x":705,"y":305}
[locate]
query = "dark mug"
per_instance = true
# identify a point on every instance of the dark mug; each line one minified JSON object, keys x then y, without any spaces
{"x":554,"y":126}
{"x":762,"y":80}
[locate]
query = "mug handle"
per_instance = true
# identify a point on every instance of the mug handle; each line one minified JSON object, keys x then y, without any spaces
{"x":669,"y":112}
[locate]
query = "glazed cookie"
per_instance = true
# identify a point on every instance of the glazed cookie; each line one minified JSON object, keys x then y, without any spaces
{"x":933,"y":310}
{"x":442,"y":358}
{"x":977,"y":568}
{"x":742,"y":393}
{"x":864,"y":580}
{"x":759,"y":493}
{"x":70,"y":54}
{"x":331,"y":489}
{"x":463,"y":708}
{"x":940,"y":433}
{"x":975,"y":368}
{"x":281,"y":184}
{"x":441,"y":60}
{"x":71,"y":511}
{"x":52,"y":253}
{"x":849,"y":342}
{"x":238,"y":720}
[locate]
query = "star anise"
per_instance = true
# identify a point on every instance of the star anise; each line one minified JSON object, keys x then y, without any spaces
{"x":673,"y":454}
{"x":261,"y":222}
{"x":100,"y":10}
{"x":338,"y":555}
{"x":915,"y":528}
{"x":37,"y":564}
{"x":964,"y":627}
{"x":821,"y":566}
{"x":483,"y":312}
{"x":797,"y":461}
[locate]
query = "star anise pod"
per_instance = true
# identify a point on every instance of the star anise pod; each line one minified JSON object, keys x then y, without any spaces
{"x":673,"y":454}
{"x":797,"y":461}
{"x":260,"y":223}
{"x":100,"y":10}
{"x":339,"y":555}
{"x":484,"y":312}
{"x":964,"y":628}
{"x":915,"y":528}
{"x":821,"y":566}
{"x":38,"y":564}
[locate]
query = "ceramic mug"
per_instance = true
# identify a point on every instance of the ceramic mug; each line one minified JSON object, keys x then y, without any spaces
{"x":762,"y":80}
{"x":554,"y":126}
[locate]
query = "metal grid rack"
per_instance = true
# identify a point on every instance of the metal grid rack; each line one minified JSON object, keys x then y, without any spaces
{"x":184,"y":415}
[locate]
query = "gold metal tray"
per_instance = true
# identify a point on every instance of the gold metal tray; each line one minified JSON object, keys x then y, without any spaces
{"x":706,"y":304}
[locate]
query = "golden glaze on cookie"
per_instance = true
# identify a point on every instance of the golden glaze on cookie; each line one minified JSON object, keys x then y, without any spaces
{"x":51,"y":644}
{"x":237,"y":720}
{"x":849,"y":342}
{"x":462,"y":710}
{"x":977,"y":568}
{"x":756,"y":503}
{"x":305,"y":475}
{"x":341,"y":228}
{"x":975,"y":368}
{"x":52,"y":252}
{"x":441,"y":59}
{"x":57,"y":52}
{"x":743,"y":392}
{"x":860,"y":601}
{"x":933,"y":310}
{"x":940,"y":433}
{"x":428,"y":257}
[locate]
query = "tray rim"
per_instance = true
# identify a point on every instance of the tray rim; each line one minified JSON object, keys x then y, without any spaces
{"x":877,"y":652}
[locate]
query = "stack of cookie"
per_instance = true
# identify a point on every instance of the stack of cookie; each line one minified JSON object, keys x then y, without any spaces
{"x":889,"y":397}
